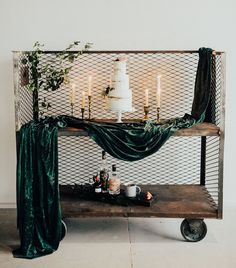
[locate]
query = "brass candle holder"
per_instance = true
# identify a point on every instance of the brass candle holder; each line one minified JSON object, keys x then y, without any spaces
{"x":158,"y":114}
{"x":82,"y":113}
{"x":146,"y":111}
{"x":89,"y":106}
{"x":72,"y":109}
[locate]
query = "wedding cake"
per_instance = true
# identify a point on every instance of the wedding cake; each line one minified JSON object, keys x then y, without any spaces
{"x":120,"y":95}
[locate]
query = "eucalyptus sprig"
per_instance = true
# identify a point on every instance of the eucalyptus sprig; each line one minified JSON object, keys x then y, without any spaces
{"x":51,"y":74}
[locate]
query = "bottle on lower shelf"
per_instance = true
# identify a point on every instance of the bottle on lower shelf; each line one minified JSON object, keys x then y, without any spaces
{"x":97,"y":184}
{"x":104,"y":173}
{"x":114,"y":182}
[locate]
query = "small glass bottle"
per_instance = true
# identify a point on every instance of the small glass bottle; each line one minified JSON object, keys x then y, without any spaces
{"x":114,"y":182}
{"x":97,"y":184}
{"x":104,"y":173}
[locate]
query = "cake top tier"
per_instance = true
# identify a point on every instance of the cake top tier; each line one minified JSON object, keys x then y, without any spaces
{"x":120,"y":65}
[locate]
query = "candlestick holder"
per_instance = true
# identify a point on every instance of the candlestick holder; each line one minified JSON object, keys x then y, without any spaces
{"x":72,"y":109}
{"x":82,"y":113}
{"x":146,"y":111}
{"x":158,"y":114}
{"x":89,"y":106}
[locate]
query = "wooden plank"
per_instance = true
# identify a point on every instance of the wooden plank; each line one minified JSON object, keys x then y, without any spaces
{"x":203,"y":161}
{"x":222,"y":137}
{"x":179,"y":201}
{"x":126,"y":51}
{"x":70,"y":131}
{"x":16,"y":80}
{"x":174,"y":201}
{"x":204,"y":129}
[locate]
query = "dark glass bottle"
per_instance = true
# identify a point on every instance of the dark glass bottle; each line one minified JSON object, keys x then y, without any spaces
{"x":104,"y":173}
{"x":97,"y":184}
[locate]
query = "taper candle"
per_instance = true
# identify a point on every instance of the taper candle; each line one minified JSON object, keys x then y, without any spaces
{"x":90,"y":85}
{"x":158,"y":95}
{"x":72,"y":94}
{"x":146,"y":97}
{"x":83,"y":99}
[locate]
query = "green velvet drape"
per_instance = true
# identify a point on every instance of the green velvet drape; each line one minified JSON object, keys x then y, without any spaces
{"x":134,"y":141}
{"x":38,"y":202}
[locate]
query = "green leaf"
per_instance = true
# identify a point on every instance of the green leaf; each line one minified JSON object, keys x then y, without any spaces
{"x":44,"y":104}
{"x":51,"y":74}
{"x":40,"y":83}
{"x":30,"y":58}
{"x":24,"y":61}
{"x":71,"y":58}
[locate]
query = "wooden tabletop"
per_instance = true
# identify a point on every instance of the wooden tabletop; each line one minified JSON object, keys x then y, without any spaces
{"x":174,"y":201}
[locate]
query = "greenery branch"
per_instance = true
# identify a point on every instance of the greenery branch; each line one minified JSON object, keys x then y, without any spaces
{"x":52,"y":74}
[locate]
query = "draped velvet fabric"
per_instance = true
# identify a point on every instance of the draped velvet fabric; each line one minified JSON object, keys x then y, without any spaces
{"x":38,"y":202}
{"x":131,"y":141}
{"x":202,"y":90}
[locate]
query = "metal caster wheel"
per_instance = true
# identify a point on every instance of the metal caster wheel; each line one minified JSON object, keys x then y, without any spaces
{"x":63,"y":229}
{"x":193,"y":230}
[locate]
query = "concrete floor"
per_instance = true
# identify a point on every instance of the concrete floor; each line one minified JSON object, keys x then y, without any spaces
{"x":128,"y":243}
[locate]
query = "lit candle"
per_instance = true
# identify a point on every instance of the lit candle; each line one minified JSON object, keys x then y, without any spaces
{"x":159,"y":91}
{"x":146,"y":97}
{"x":83,"y":99}
{"x":72,"y":95}
{"x":90,"y":85}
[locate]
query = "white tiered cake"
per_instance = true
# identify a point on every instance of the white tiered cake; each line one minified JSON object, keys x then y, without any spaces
{"x":120,"y":97}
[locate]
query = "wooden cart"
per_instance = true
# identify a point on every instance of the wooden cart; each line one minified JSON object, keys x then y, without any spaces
{"x":193,"y":190}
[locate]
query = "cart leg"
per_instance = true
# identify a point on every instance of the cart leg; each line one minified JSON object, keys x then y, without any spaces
{"x":193,"y":230}
{"x":63,"y":229}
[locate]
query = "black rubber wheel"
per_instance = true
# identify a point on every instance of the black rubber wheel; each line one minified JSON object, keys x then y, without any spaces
{"x":193,"y":230}
{"x":63,"y":229}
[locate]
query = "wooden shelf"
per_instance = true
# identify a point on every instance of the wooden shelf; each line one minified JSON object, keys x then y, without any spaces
{"x":203,"y":129}
{"x":174,"y":201}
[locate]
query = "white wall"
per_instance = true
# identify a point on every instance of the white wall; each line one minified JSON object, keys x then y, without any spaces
{"x":113,"y":24}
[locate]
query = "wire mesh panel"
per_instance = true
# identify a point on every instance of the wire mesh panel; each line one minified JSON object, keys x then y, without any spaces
{"x":23,"y":96}
{"x":177,"y":83}
{"x":177,"y":70}
{"x":100,"y":66}
{"x":212,"y":166}
{"x":178,"y":162}
{"x":216,"y":92}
